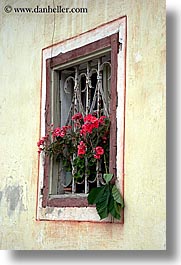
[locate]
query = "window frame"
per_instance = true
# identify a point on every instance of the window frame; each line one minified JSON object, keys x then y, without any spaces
{"x":119,"y":25}
{"x":111,"y":42}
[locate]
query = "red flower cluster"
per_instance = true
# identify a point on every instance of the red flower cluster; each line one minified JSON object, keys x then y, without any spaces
{"x":90,"y":122}
{"x":101,"y":119}
{"x":91,"y":118}
{"x":78,"y":138}
{"x":41,"y":142}
{"x":77,"y":116}
{"x":98,"y":152}
{"x":60,"y":132}
{"x":81,"y":149}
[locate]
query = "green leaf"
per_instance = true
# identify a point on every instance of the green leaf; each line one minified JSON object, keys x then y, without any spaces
{"x":100,"y":196}
{"x":87,"y":172}
{"x":115,"y":213}
{"x":77,"y":176}
{"x":111,"y":204}
{"x":117,"y":207}
{"x":114,"y":208}
{"x":95,"y":195}
{"x":117,"y":196}
{"x":107,"y":199}
{"x":107,"y":177}
{"x":103,"y":204}
{"x":102,"y":209}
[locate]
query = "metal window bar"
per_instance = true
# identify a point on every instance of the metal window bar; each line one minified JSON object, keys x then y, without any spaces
{"x":89,"y":107}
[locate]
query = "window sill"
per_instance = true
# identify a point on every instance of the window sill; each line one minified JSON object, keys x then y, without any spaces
{"x":64,"y":200}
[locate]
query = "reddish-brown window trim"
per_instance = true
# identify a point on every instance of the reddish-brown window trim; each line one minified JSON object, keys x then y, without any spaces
{"x":112,"y":42}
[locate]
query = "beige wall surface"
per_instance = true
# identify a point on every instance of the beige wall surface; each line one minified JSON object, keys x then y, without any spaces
{"x":22,"y":38}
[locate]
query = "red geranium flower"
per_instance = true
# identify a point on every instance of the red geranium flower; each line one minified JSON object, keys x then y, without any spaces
{"x":65,"y":128}
{"x":59,"y":132}
{"x":86,"y":128}
{"x":97,"y":156}
{"x":40,"y":150}
{"x":101,"y":119}
{"x":90,"y":122}
{"x":81,"y":149}
{"x":88,"y":118}
{"x":99,"y":150}
{"x":40,"y":142}
{"x":92,"y":119}
{"x":77,"y":116}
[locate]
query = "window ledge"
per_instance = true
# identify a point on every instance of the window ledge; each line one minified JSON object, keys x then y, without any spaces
{"x":64,"y":196}
{"x":64,"y":200}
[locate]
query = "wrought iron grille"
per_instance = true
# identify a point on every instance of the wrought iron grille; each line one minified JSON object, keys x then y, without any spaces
{"x":84,"y":88}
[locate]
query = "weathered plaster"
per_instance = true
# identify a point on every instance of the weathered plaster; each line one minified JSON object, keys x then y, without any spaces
{"x":1,"y":194}
{"x":22,"y":37}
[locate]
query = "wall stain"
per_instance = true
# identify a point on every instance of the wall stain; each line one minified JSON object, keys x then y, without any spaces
{"x":14,"y":198}
{"x":49,"y":210}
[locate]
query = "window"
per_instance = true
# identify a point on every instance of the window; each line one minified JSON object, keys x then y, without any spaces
{"x":80,"y":81}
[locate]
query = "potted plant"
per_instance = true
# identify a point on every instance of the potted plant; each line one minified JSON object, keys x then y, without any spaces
{"x":83,"y":148}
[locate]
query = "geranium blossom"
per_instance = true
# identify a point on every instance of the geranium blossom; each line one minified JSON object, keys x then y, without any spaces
{"x":90,"y":118}
{"x":86,"y":128}
{"x":101,"y":119}
{"x":81,"y":149}
{"x":97,"y":156}
{"x":40,"y":142}
{"x":65,"y":128}
{"x":90,"y":122}
{"x":98,"y":152}
{"x":93,"y":120}
{"x":77,"y":116}
{"x":60,"y":132}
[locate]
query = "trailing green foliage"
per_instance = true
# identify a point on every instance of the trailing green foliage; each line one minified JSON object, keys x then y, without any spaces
{"x":107,"y":199}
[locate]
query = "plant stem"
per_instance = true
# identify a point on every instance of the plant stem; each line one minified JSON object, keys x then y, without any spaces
{"x":105,"y":163}
{"x":90,"y":142}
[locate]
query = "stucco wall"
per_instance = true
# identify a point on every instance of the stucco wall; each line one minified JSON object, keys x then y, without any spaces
{"x":22,"y":38}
